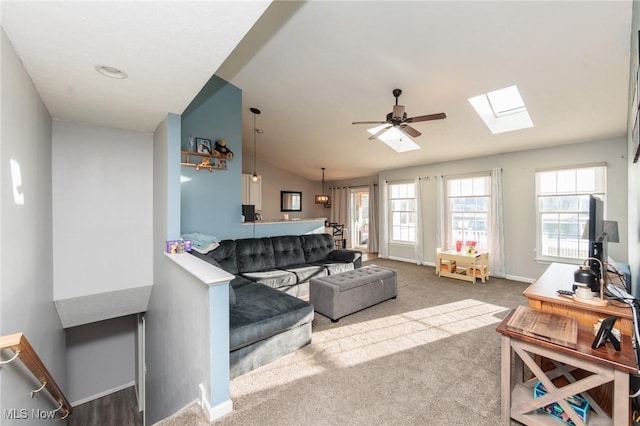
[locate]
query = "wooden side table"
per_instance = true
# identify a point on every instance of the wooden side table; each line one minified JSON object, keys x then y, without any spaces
{"x":468,"y":266}
{"x":605,"y":364}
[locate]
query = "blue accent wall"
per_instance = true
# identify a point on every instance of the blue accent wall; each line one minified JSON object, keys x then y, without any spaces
{"x":211,"y":202}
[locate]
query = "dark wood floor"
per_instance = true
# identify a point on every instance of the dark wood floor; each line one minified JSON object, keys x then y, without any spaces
{"x":117,"y":409}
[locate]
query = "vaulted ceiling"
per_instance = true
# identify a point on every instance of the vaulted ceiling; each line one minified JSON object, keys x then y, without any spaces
{"x":315,"y":67}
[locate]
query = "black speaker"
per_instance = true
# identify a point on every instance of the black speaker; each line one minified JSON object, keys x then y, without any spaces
{"x":597,"y":249}
{"x":249,"y":212}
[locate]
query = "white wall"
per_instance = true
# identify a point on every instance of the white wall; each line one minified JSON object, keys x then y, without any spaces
{"x":26,"y":263}
{"x":100,"y":358}
{"x":177,"y":322}
{"x":102,"y":209}
{"x":275,"y":179}
{"x":518,"y":170}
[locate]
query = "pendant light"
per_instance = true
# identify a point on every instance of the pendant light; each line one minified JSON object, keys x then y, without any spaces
{"x":255,"y":112}
{"x":322,"y":198}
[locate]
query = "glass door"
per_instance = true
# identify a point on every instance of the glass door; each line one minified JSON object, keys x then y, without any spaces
{"x":359,"y":218}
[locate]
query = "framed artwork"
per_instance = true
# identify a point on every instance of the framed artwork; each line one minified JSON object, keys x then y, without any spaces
{"x":203,"y":146}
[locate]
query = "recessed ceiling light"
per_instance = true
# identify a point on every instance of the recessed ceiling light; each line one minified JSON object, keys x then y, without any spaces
{"x":111,"y":72}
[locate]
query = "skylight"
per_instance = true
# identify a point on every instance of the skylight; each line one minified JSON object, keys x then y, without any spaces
{"x":502,"y":110}
{"x":396,"y":139}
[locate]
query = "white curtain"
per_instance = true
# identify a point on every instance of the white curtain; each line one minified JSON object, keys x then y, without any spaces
{"x":384,"y":222}
{"x":419,"y":247}
{"x":340,"y":210}
{"x":441,"y":238}
{"x":496,"y":241}
{"x":372,"y":245}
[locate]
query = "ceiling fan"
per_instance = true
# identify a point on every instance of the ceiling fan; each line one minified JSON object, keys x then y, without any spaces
{"x":398,"y":119}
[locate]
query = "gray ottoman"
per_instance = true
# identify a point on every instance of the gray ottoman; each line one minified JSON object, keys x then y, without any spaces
{"x":335,"y":296}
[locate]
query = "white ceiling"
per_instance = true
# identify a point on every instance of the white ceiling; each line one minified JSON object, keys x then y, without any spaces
{"x":314,"y":67}
{"x":168,"y":49}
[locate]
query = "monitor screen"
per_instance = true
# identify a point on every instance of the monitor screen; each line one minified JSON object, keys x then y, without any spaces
{"x":596,"y":214}
{"x":597,"y":238}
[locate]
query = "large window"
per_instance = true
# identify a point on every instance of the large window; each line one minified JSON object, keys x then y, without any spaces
{"x":402,"y":199}
{"x":563,"y":209}
{"x":468,"y":210}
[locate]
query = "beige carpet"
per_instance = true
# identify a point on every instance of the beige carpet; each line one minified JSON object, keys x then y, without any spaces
{"x":429,"y":357}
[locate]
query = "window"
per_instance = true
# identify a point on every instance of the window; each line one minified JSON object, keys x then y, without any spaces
{"x":563,"y":209}
{"x":502,"y":110}
{"x":403,"y":217}
{"x":468,"y":205}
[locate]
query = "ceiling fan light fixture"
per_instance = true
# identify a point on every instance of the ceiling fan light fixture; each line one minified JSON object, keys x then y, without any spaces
{"x":398,"y":112}
{"x":322,"y":198}
{"x":395,"y":131}
{"x":395,"y":139}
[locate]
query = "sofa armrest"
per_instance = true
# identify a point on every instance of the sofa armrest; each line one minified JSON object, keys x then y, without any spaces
{"x":343,"y":255}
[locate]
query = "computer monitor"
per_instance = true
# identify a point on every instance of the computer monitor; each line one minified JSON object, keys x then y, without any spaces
{"x":597,"y":237}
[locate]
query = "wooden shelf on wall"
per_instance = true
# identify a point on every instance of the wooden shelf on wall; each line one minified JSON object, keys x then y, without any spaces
{"x":203,"y":161}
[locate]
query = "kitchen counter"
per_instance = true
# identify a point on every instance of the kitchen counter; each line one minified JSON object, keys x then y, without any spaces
{"x":272,"y":221}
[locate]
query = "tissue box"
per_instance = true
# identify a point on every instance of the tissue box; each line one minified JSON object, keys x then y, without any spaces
{"x":178,"y":246}
{"x":579,"y":405}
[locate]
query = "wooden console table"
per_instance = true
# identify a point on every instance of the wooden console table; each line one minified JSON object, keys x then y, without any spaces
{"x":606,"y":365}
{"x":559,"y":276}
{"x":542,"y":295}
{"x":468,"y":266}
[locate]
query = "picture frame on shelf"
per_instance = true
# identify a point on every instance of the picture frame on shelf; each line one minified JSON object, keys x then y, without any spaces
{"x":203,"y":146}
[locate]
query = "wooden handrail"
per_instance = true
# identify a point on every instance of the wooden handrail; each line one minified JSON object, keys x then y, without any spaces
{"x":19,"y":344}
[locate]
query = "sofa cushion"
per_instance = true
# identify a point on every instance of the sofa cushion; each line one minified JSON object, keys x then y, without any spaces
{"x":207,"y":258}
{"x":274,"y":278}
{"x":334,"y":267}
{"x":262,"y":312}
{"x":306,"y":272}
{"x":224,"y":256}
{"x":316,"y":246}
{"x":254,"y":254}
{"x":232,"y":295}
{"x":287,"y":251}
{"x":344,"y":255}
{"x":238,"y":282}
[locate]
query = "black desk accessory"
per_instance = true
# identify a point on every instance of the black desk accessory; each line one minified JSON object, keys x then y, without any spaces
{"x":605,"y":334}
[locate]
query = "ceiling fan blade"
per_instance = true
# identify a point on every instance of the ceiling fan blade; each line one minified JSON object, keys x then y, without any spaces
{"x":410,"y":131}
{"x":381,"y":131}
{"x":368,"y":122}
{"x":438,"y":116}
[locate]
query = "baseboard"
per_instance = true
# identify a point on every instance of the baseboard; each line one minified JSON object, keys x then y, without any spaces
{"x":402,"y":259}
{"x":213,"y":413}
{"x":521,"y":279}
{"x":105,"y":393}
{"x":509,"y":277}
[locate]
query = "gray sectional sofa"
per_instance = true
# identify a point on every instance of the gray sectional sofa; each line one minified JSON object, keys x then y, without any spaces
{"x":266,"y":321}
